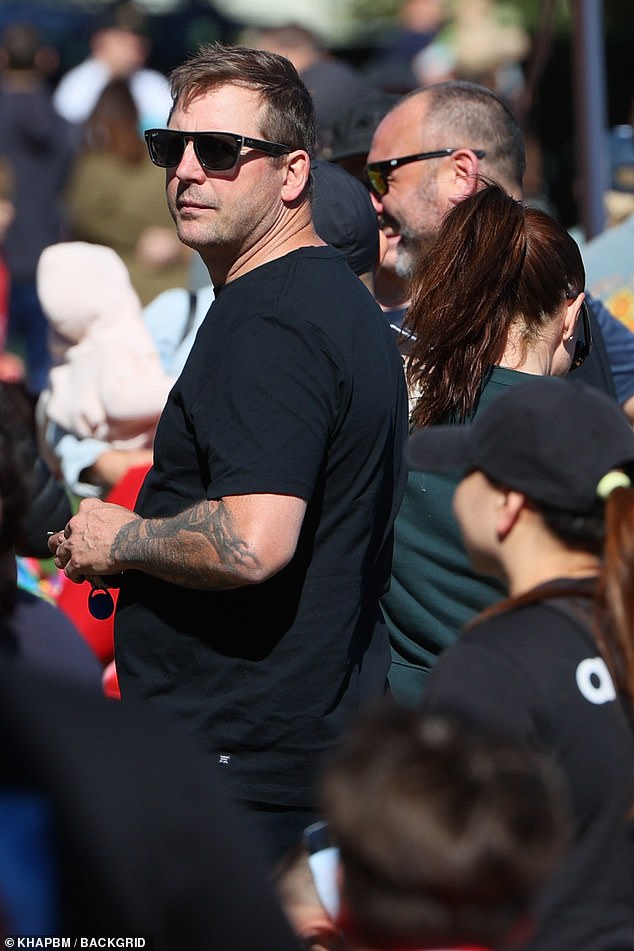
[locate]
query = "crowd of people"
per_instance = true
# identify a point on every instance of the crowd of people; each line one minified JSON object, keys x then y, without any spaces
{"x":353,"y":514}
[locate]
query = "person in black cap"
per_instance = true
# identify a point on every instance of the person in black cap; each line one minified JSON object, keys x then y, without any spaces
{"x":546,"y":503}
{"x":352,"y":133}
{"x":353,"y":128}
{"x":344,"y":217}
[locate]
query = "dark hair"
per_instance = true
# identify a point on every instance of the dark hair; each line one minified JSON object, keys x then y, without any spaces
{"x":445,"y":835}
{"x":16,"y":473}
{"x":473,"y":115}
{"x":615,"y":592}
{"x":493,"y":262}
{"x":113,"y":125}
{"x":289,"y":117}
{"x":21,"y":43}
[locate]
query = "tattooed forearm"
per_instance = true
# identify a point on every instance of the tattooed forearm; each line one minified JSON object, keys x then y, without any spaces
{"x":199,"y":548}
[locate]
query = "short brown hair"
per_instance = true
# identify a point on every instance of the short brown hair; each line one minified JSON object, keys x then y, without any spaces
{"x":290,"y":115}
{"x":445,"y":834}
{"x":473,"y":116}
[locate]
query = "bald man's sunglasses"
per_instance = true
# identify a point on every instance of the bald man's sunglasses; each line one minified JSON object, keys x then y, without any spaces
{"x":216,"y":151}
{"x":377,"y":173}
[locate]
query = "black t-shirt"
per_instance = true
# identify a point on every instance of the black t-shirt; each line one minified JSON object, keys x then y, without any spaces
{"x":294,"y":386}
{"x":535,"y":675}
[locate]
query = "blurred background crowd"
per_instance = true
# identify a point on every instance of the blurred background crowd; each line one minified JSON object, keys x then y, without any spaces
{"x":81,"y":80}
{"x":394,"y":44}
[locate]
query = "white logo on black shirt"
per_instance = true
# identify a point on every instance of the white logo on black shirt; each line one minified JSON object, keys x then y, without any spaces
{"x":594,"y":681}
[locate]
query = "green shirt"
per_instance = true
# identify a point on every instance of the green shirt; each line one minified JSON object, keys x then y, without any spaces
{"x":434,"y":590}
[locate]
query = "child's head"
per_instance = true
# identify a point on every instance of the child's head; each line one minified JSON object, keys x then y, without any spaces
{"x":79,"y":285}
{"x":445,"y":835}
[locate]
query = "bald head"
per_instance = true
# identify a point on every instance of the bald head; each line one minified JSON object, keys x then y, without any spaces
{"x":484,"y":143}
{"x":476,"y":117}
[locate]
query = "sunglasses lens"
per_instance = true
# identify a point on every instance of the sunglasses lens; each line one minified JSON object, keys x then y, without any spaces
{"x":166,"y":148}
{"x":216,"y":152}
{"x":377,"y":182}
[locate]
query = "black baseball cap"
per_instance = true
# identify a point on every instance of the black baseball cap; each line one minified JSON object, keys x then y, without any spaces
{"x":344,"y":216}
{"x":353,"y":128}
{"x":550,"y":438}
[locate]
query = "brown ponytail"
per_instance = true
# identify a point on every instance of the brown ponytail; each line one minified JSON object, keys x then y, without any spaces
{"x":494,"y":261}
{"x":616,"y":590}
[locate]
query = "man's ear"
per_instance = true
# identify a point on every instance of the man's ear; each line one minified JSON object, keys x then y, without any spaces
{"x":510,"y":506}
{"x":465,"y":165}
{"x":297,"y":174}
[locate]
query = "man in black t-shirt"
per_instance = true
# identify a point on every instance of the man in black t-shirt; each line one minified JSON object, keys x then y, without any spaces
{"x":262,"y":535}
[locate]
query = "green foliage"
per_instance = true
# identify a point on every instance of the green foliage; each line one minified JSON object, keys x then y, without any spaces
{"x":371,"y":16}
{"x":367,"y":10}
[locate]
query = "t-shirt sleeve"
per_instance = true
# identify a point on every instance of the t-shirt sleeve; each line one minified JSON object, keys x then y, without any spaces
{"x":487,"y":689}
{"x":619,"y":345}
{"x":277,"y":393}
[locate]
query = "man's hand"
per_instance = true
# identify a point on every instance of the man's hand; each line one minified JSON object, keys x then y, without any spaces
{"x":215,"y":545}
{"x":84,"y":548}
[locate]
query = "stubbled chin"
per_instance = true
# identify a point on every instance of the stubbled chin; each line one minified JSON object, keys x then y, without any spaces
{"x":188,"y":235}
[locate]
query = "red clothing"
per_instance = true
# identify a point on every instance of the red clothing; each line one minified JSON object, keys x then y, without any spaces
{"x":73,"y":598}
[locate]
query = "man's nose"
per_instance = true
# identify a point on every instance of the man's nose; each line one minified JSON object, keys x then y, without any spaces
{"x":189,"y":167}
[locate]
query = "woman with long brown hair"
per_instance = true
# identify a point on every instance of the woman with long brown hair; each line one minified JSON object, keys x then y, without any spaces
{"x":503,"y":289}
{"x":497,"y":301}
{"x":545,"y":503}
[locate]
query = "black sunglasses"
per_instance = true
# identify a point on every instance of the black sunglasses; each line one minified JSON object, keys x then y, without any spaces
{"x":377,"y":173}
{"x":216,"y":151}
{"x":583,"y":346}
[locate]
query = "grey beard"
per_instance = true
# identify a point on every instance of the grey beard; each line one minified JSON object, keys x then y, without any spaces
{"x":404,"y":264}
{"x":411,"y":249}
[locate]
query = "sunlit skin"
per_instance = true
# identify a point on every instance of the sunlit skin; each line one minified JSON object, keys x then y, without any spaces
{"x":420,"y":193}
{"x":235,"y":219}
{"x":476,"y":504}
{"x":552,"y":353}
{"x":505,"y":536}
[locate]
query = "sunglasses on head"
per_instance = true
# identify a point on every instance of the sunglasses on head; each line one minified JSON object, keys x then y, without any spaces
{"x":377,"y":173}
{"x":216,"y":151}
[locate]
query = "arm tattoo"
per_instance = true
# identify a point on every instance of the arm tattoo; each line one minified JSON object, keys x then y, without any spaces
{"x":198,"y":548}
